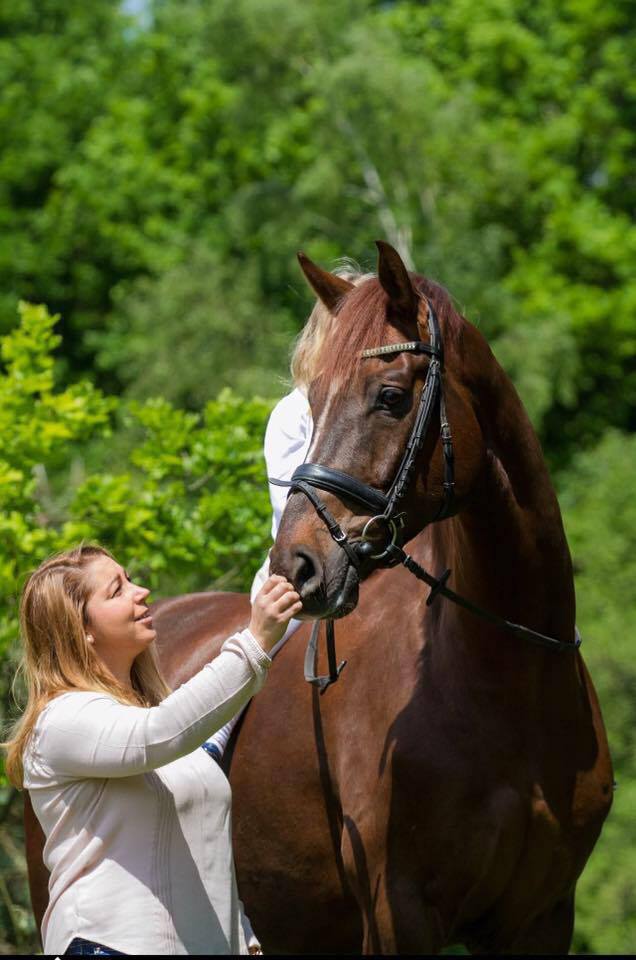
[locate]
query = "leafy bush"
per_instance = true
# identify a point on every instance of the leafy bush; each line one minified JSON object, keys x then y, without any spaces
{"x":600,"y":518}
{"x":186,"y":510}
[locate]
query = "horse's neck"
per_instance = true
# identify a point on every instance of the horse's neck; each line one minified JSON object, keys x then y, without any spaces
{"x":507,"y":548}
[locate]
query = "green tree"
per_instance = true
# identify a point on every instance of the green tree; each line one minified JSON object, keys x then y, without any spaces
{"x":38,"y":423}
{"x":600,"y":519}
{"x":556,"y":103}
{"x":187,"y":510}
{"x":59,"y":60}
{"x":179,"y":335}
{"x":493,"y":150}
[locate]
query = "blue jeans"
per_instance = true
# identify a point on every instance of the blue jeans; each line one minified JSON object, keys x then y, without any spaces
{"x":88,"y":948}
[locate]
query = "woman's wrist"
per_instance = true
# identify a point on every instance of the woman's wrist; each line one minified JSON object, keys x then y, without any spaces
{"x":261,"y":652}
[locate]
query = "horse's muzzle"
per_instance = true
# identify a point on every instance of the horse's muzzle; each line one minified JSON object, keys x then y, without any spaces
{"x":327,"y":587}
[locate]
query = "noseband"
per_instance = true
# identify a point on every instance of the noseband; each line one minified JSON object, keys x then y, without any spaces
{"x":384,"y":507}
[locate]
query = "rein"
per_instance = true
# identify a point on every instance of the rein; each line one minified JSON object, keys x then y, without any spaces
{"x":384,"y":509}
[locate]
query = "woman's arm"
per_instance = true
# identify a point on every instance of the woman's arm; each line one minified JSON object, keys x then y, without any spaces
{"x":86,"y":734}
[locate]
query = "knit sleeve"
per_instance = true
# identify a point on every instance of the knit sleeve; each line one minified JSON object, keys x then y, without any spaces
{"x":86,"y":734}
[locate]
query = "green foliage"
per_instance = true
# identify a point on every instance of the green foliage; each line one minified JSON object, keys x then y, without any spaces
{"x":187,"y":509}
{"x":178,"y":336}
{"x":600,"y":519}
{"x":58,"y":61}
{"x":600,"y":515}
{"x":192,"y":510}
{"x":211,"y":141}
{"x":38,"y":423}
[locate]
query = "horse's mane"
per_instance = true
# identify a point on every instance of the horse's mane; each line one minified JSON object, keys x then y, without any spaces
{"x":362,"y":323}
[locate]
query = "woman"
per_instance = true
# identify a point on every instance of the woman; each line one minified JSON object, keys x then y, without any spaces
{"x":136,"y":815}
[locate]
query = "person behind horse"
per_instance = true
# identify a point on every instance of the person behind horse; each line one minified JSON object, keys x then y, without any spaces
{"x":287,"y":440}
{"x":137,"y":818}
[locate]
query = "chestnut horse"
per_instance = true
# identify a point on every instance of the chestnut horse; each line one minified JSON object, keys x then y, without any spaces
{"x":451,"y":786}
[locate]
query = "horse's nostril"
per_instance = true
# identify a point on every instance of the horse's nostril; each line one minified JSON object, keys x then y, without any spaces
{"x":305,"y":571}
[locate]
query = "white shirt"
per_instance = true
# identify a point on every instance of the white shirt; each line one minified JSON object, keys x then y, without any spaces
{"x":137,"y":816}
{"x":287,"y":441}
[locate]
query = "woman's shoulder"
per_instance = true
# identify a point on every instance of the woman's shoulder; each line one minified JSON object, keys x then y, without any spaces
{"x":68,"y":704}
{"x":289,"y":419}
{"x":60,"y":716}
{"x":293,"y":403}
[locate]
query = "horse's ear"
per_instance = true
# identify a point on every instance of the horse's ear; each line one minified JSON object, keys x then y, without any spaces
{"x":327,"y":286}
{"x":396,"y":282}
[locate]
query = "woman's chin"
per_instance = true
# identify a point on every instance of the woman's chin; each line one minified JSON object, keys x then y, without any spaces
{"x":145,"y":634}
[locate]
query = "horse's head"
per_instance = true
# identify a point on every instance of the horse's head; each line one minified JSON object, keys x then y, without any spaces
{"x":365,"y":409}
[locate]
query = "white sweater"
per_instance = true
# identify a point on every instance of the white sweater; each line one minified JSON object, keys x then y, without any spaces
{"x":137,"y":816}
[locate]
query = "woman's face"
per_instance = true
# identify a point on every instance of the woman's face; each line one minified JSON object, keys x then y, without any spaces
{"x":118,"y":622}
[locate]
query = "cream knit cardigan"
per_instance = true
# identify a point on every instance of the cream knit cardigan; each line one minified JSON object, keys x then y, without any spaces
{"x":137,"y":816}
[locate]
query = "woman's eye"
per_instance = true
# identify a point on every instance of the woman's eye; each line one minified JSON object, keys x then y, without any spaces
{"x":390,"y":397}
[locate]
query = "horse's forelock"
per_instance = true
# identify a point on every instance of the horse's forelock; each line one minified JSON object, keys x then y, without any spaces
{"x":362,"y":323}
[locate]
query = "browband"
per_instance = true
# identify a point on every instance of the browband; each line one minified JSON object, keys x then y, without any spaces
{"x":413,"y":346}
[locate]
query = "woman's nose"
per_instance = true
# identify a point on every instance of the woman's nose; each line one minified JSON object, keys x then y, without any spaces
{"x":141,"y":592}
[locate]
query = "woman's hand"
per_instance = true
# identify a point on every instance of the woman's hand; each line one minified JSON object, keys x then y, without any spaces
{"x":274,"y":606}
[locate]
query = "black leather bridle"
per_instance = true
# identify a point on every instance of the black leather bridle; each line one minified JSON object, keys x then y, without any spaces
{"x":384,"y":507}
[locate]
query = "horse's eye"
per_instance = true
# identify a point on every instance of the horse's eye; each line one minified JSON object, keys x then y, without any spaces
{"x":390,"y":397}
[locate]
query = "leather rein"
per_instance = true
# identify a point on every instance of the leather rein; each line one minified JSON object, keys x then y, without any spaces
{"x":384,"y":508}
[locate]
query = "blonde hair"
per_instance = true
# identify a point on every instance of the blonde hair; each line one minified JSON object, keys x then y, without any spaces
{"x":58,"y":658}
{"x":320,"y":325}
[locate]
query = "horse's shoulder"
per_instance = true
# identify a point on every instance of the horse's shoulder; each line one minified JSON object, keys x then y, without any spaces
{"x":191,"y":629}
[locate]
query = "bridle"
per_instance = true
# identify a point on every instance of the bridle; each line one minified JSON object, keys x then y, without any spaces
{"x":385,"y":507}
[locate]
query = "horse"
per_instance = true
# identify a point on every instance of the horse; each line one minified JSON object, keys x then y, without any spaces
{"x":451,"y":785}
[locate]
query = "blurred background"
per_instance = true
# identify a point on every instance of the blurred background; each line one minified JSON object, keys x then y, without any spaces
{"x":161,"y":161}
